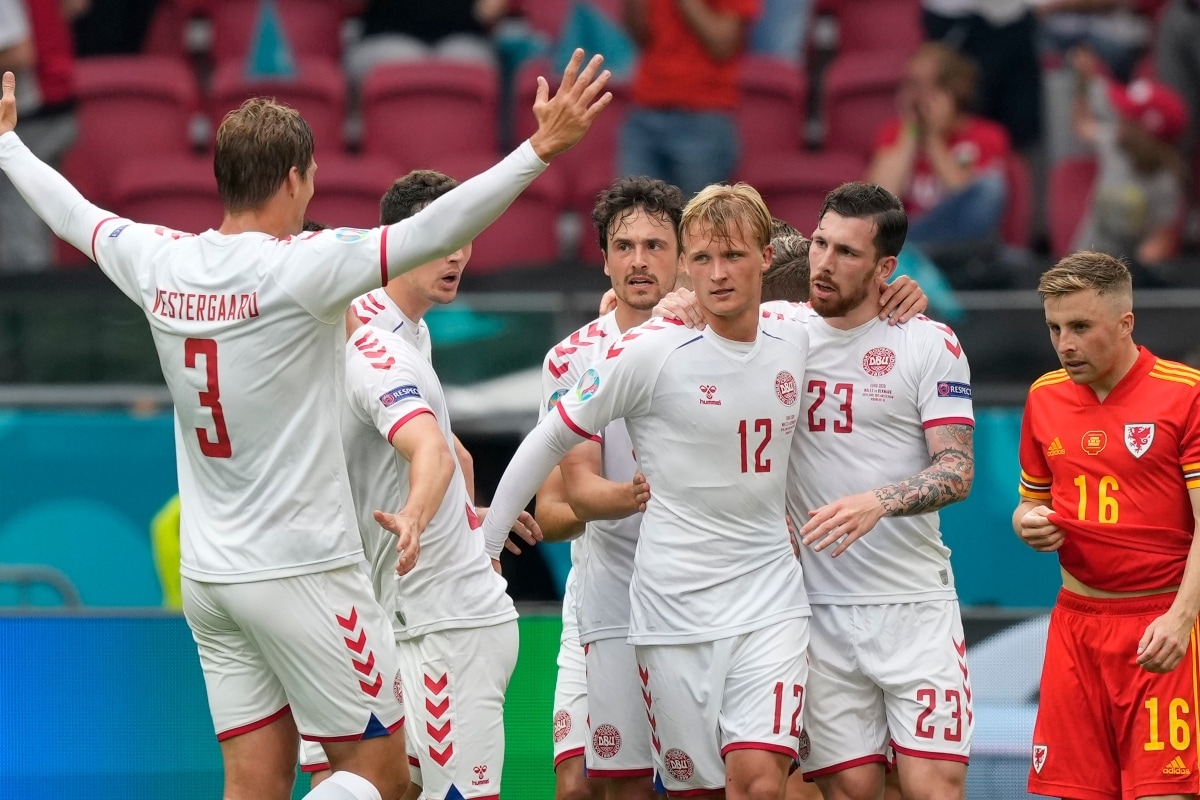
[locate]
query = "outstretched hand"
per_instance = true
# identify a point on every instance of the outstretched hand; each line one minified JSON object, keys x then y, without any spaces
{"x":526,"y":527}
{"x":408,"y":534}
{"x":564,"y":118}
{"x":8,"y":104}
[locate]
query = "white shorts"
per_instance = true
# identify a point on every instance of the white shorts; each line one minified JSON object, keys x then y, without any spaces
{"x":570,"y":691}
{"x":618,"y":743}
{"x":886,"y":675}
{"x":740,"y":693}
{"x":318,"y":644}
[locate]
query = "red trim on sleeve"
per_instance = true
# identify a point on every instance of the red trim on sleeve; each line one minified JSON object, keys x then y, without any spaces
{"x":562,"y":413}
{"x":400,"y":423}
{"x":251,"y":726}
{"x":413,"y":761}
{"x":933,"y":423}
{"x":932,"y":756}
{"x":310,"y":768}
{"x":383,"y":275}
{"x":845,"y":765}
{"x":95,"y":232}
{"x":764,"y":746}
{"x":566,"y":755}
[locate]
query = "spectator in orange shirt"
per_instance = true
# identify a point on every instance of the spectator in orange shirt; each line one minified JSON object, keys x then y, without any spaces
{"x":681,"y":127}
{"x":945,"y":162}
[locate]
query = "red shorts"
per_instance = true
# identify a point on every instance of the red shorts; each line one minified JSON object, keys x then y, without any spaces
{"x":1106,"y":728}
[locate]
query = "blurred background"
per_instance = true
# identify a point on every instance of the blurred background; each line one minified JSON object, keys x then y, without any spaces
{"x":1069,"y":123}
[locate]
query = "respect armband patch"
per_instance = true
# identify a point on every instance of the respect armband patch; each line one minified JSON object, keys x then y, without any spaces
{"x":399,"y":393}
{"x":954,"y":389}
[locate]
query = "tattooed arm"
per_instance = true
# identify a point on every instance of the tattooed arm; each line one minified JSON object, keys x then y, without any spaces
{"x":946,"y":480}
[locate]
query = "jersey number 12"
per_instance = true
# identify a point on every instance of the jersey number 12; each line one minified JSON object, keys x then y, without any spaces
{"x":210,"y":399}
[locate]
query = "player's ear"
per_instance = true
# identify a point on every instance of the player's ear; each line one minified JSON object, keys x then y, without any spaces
{"x":768,"y":256}
{"x":887,"y":267}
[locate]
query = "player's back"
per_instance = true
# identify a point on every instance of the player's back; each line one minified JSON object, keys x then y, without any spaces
{"x":869,"y":394}
{"x":247,"y":331}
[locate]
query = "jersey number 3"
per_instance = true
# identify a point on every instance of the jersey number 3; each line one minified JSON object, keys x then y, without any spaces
{"x":210,"y":399}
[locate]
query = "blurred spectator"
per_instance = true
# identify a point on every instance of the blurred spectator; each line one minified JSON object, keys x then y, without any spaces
{"x":1000,"y":36}
{"x":946,"y":163}
{"x":114,"y":27}
{"x":46,"y":104}
{"x":1136,"y":201}
{"x":780,"y":30}
{"x":450,"y":29}
{"x":1177,"y":60}
{"x":681,"y":126}
{"x":1112,"y":29}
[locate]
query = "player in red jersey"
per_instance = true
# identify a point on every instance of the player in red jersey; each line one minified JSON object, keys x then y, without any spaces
{"x":1110,"y":481}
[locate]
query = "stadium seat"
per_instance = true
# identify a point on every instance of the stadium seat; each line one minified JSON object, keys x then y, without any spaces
{"x":874,"y":25}
{"x":794,"y":185}
{"x":313,"y":28}
{"x":771,"y":115}
{"x":176,"y":192}
{"x":545,"y":16}
{"x":318,"y":92}
{"x":860,"y":95}
{"x":527,"y":233}
{"x":348,"y":190}
{"x":415,"y":111}
{"x":1067,"y":198}
{"x":1016,"y":224}
{"x":154,"y":98}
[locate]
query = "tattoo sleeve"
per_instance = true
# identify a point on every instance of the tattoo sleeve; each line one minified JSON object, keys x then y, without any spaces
{"x":947,"y":480}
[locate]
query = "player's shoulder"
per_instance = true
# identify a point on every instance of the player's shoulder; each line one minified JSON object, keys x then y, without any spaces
{"x":382,"y":350}
{"x":1052,"y":383}
{"x":367,"y":307}
{"x":581,"y":347}
{"x":657,"y":337}
{"x":1173,"y":376}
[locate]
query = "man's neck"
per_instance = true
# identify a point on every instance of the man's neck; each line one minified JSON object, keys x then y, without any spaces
{"x":740,"y":327}
{"x":1104,"y":385}
{"x":410,"y":305}
{"x":629,"y":317}
{"x":863,"y":313}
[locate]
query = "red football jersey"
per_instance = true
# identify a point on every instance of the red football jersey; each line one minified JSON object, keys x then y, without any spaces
{"x":1117,"y":473}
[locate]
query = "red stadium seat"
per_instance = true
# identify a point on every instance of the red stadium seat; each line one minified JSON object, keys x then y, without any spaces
{"x":318,"y":92}
{"x":313,"y":28}
{"x":524,"y":235}
{"x":1067,"y":198}
{"x":415,"y":111}
{"x":874,"y":25}
{"x":348,"y":190}
{"x":546,"y":16}
{"x":794,"y":185}
{"x":771,"y":115}
{"x":122,"y":100}
{"x":1017,"y":221}
{"x":176,"y":192}
{"x":860,"y":95}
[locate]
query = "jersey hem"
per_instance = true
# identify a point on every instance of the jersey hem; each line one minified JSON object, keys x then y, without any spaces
{"x":879,"y":600}
{"x":455,"y":625}
{"x":696,"y":637}
{"x":602,"y":634}
{"x":291,"y":571}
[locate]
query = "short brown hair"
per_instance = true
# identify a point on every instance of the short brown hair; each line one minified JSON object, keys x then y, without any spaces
{"x":412,"y":192}
{"x":257,"y":146}
{"x":1084,"y":270}
{"x":787,"y":277}
{"x":956,"y":73}
{"x":655,"y":197}
{"x":725,"y":209}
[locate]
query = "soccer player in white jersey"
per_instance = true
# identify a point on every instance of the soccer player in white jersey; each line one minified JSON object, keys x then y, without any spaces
{"x":886,"y":441}
{"x":717,"y":606}
{"x":246,"y":320}
{"x":637,"y":222}
{"x":455,"y":625}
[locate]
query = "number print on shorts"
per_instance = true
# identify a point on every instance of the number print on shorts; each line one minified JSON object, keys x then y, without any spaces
{"x":1178,"y":731}
{"x":927,"y":730}
{"x":798,"y":694}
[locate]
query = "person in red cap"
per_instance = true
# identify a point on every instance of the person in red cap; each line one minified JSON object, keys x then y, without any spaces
{"x":1137,"y":198}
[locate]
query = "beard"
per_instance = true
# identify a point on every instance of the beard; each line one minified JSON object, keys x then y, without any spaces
{"x":842,"y":302}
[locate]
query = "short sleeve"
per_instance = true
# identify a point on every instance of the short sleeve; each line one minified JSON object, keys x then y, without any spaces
{"x":324,"y":270}
{"x":944,"y":392}
{"x":559,"y":374}
{"x":123,"y":249}
{"x":383,"y":383}
{"x":618,"y":386}
{"x":1189,"y":446}
{"x":1035,"y":470}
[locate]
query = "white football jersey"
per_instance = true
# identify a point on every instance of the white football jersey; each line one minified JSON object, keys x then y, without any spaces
{"x":377,"y":309}
{"x":453,"y":585}
{"x":606,"y":560}
{"x":711,"y":421}
{"x":867,"y":397}
{"x":248,"y":330}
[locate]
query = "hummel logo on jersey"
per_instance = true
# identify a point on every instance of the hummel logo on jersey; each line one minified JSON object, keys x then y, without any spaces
{"x":709,"y":390}
{"x":1176,"y":767}
{"x":1056,"y":448}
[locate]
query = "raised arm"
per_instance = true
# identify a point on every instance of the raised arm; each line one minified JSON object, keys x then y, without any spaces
{"x":946,"y":480}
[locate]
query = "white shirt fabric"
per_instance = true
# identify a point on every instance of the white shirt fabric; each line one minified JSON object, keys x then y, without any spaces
{"x":453,"y":585}
{"x":868,"y":396}
{"x":606,"y":561}
{"x":247,"y":329}
{"x":377,"y":309}
{"x":711,"y":421}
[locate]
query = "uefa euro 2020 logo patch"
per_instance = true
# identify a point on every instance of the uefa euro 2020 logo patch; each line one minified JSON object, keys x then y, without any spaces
{"x":350,"y":234}
{"x":399,"y":393}
{"x":554,"y":398}
{"x":589,"y":384}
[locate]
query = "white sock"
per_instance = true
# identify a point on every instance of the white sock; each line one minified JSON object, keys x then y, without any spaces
{"x":344,"y":785}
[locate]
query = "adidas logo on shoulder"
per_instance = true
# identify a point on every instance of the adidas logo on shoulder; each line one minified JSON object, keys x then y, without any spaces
{"x":1056,"y":448}
{"x":1176,"y":767}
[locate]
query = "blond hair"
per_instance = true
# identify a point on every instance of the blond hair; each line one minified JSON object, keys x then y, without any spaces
{"x":1084,"y":270}
{"x":726,"y":210}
